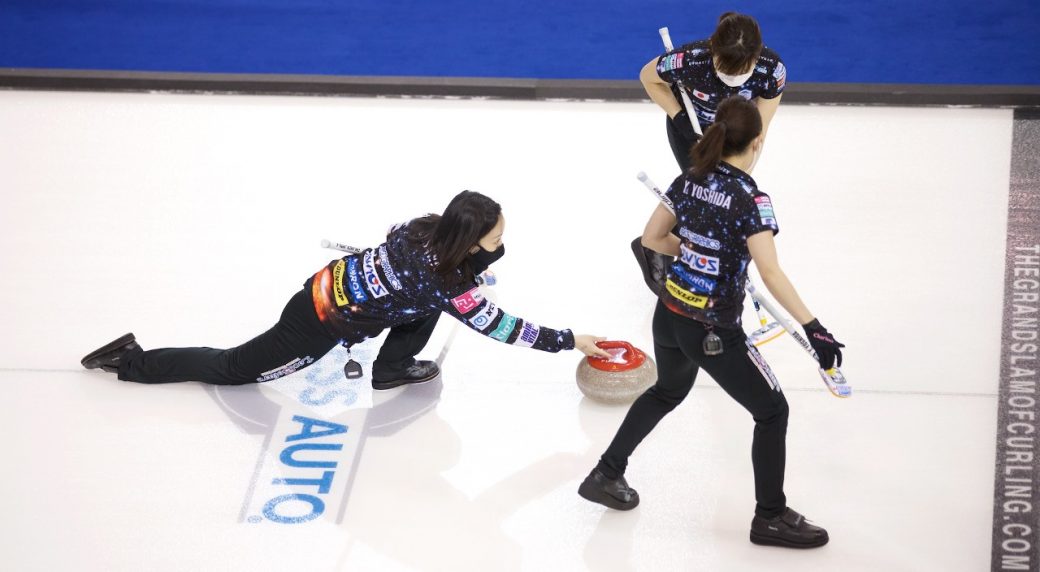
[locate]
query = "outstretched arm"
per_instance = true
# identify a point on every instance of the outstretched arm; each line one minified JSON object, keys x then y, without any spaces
{"x":483,"y":316}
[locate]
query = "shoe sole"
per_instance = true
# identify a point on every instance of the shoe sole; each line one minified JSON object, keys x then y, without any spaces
{"x":590,"y":493}
{"x":91,"y":360}
{"x":381,"y":385}
{"x":764,"y":540}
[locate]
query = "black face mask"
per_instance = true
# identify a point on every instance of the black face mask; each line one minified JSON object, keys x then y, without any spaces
{"x":481,"y":259}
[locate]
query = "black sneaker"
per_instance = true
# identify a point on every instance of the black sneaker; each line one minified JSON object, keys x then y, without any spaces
{"x":107,"y":357}
{"x":612,"y":493}
{"x":419,"y":372}
{"x":789,"y":529}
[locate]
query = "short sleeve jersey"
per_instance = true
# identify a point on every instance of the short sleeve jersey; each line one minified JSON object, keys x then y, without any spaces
{"x":360,"y":295}
{"x":715,"y":216}
{"x":692,"y":66}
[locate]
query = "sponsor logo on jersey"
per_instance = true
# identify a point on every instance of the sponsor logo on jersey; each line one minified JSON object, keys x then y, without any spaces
{"x":356,"y":291}
{"x":482,"y":320}
{"x":384,"y":261}
{"x":698,"y":261}
{"x":528,"y":335}
{"x":710,"y":196}
{"x":505,"y":327}
{"x":701,"y":95}
{"x":780,"y":73}
{"x":337,"y":284}
{"x":695,"y":300}
{"x":699,"y":283}
{"x":375,"y":285}
{"x":700,"y":240}
{"x":466,"y":302}
{"x":765,"y":208}
{"x":670,"y":62}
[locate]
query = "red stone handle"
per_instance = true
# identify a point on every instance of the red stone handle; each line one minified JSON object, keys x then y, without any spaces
{"x":631,"y":358}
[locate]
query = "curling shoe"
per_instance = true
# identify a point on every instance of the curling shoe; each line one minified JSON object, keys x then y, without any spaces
{"x":790,"y":530}
{"x":611,"y":493}
{"x":107,"y":357}
{"x":418,"y":373}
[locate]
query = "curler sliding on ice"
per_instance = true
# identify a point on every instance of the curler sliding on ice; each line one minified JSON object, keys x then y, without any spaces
{"x":485,"y":278}
{"x":832,"y":378}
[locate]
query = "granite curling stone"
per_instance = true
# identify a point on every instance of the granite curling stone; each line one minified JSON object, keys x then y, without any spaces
{"x":618,"y":380}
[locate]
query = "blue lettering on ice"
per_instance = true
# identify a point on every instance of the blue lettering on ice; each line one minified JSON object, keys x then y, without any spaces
{"x":317,"y":507}
{"x":287,"y":455}
{"x":309,"y":429}
{"x":325,"y":386}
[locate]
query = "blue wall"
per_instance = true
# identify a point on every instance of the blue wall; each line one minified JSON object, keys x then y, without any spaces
{"x":884,"y":41}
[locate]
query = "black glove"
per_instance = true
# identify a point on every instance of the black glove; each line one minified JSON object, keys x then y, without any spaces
{"x":827,"y":348}
{"x":681,"y":123}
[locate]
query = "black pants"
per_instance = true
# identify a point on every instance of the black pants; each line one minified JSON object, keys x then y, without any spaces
{"x":680,"y":145}
{"x":402,"y":343}
{"x":739,"y":370}
{"x":296,"y":341}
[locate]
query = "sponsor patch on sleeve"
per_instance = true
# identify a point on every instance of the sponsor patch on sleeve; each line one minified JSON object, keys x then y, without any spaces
{"x":765,"y":207}
{"x":780,"y":74}
{"x":528,"y":335}
{"x":765,"y":211}
{"x":670,"y":62}
{"x":484,"y":318}
{"x":505,"y":327}
{"x":466,"y":302}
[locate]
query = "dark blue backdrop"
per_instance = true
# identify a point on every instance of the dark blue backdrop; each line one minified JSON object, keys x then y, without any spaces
{"x":877,"y":41}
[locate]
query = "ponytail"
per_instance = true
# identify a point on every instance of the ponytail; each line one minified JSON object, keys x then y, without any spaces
{"x":707,"y":153}
{"x":737,"y":123}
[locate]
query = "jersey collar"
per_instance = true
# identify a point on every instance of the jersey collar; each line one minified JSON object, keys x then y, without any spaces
{"x":731,"y":171}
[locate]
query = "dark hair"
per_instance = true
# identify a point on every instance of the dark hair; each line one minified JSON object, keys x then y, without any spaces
{"x":449,"y":236}
{"x":737,"y":123}
{"x":736,"y":43}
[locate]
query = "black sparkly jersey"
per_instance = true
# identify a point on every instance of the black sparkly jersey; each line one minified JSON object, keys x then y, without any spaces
{"x":360,"y":295}
{"x":715,"y":216}
{"x":691,"y":64}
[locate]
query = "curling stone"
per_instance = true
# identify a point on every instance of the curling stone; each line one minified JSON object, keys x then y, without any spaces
{"x":621,"y":379}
